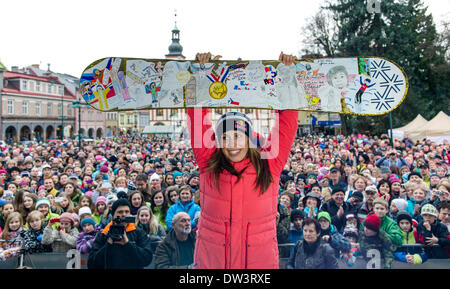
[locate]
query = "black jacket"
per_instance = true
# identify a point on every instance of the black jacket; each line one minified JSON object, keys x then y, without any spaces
{"x":136,"y":254}
{"x":440,"y":231}
{"x":332,"y":209}
{"x":167,"y":255}
{"x":323,"y":258}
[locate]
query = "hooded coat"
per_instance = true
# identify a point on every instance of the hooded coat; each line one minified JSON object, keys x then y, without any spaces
{"x":237,"y":226}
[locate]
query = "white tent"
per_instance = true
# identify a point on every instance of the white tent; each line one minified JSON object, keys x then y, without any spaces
{"x":400,"y":132}
{"x":437,"y":129}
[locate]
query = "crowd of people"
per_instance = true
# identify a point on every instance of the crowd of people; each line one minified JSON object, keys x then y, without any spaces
{"x":339,"y":197}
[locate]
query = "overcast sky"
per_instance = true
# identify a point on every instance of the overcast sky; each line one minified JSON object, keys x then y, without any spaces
{"x":71,"y":34}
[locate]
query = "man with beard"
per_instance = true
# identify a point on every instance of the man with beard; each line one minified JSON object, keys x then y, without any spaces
{"x":176,"y":251}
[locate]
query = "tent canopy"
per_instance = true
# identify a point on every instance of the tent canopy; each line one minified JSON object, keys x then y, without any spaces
{"x":399,"y":133}
{"x":438,"y":127}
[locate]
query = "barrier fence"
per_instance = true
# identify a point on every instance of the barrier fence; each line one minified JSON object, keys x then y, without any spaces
{"x":74,"y":260}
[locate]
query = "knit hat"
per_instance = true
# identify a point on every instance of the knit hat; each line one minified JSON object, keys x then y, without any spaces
{"x":104,"y":169}
{"x":155,"y":176}
{"x":358,"y":195}
{"x":3,"y":171}
{"x":385,"y":170}
{"x":87,"y":220}
{"x":43,"y":201}
{"x":337,"y":189}
{"x":401,"y":204}
{"x":325,"y":215}
{"x":122,"y":195}
{"x":84,"y":210}
{"x":76,"y":217}
{"x":100,"y":199}
{"x":372,"y":222}
{"x":89,"y":193}
{"x":234,"y":120}
{"x":413,"y":174}
{"x":67,"y":217}
{"x":177,"y":174}
{"x":403,"y":215}
{"x":394,"y":179}
{"x":111,"y":198}
{"x":2,"y":202}
{"x":296,"y":213}
{"x":429,"y":209}
{"x":120,"y":202}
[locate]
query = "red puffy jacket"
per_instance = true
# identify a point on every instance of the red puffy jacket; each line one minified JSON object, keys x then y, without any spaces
{"x":237,"y":225}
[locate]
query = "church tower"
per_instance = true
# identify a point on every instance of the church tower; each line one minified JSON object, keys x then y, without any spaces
{"x":175,"y":48}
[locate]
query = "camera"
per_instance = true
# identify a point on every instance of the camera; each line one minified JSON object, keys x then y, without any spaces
{"x":439,"y":193}
{"x":117,"y":230}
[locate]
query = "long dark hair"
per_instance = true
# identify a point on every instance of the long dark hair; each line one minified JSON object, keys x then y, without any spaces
{"x":219,"y":162}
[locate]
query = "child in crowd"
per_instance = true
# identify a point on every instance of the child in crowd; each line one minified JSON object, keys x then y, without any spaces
{"x":84,"y":212}
{"x":311,"y":204}
{"x":396,"y":206}
{"x":64,"y":204}
{"x":444,"y":214}
{"x":28,"y":205}
{"x":43,"y":206}
{"x":172,"y":194}
{"x":85,"y":201}
{"x":100,"y":208}
{"x":8,"y":208}
{"x":295,"y":229}
{"x":432,"y":232}
{"x":13,"y":231}
{"x":136,"y":200}
{"x":64,"y":237}
{"x":32,"y":239}
{"x":352,"y":236}
{"x":330,"y":235}
{"x":374,"y":238}
{"x":148,"y":222}
{"x":86,"y":238}
{"x":106,"y":217}
{"x":409,"y":254}
{"x":417,"y":201}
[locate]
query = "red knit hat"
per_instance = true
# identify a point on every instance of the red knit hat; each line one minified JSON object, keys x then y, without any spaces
{"x":372,"y":222}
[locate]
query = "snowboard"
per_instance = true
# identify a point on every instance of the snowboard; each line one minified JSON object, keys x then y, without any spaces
{"x":358,"y":85}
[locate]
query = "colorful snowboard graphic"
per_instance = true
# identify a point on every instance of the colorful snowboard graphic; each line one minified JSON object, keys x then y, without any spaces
{"x":363,"y":85}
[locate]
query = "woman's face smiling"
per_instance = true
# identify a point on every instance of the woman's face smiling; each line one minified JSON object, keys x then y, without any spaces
{"x":234,"y":145}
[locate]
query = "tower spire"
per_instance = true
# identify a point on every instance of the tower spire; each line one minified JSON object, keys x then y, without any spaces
{"x":175,"y":48}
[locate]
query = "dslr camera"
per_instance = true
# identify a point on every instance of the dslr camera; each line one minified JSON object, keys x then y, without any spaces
{"x":117,"y":229}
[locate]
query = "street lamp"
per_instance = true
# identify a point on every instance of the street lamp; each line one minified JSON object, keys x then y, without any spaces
{"x":79,"y":105}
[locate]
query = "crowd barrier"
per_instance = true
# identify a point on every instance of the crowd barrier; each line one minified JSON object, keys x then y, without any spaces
{"x":74,"y":260}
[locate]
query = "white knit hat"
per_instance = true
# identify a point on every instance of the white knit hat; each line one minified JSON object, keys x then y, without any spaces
{"x":84,"y":210}
{"x":401,"y":204}
{"x":155,"y":176}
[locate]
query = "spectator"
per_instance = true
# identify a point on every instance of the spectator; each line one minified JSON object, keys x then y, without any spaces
{"x":397,"y":205}
{"x":176,"y":251}
{"x":311,"y":203}
{"x":132,"y":251}
{"x":417,"y":201}
{"x":32,"y":238}
{"x":373,"y":238}
{"x":432,"y":232}
{"x":64,"y":237}
{"x":86,"y":238}
{"x":184,"y":204}
{"x":295,"y":229}
{"x":312,"y":252}
{"x":100,"y":208}
{"x":409,"y":254}
{"x":13,"y":231}
{"x":352,"y":236}
{"x":444,"y":214}
{"x":330,"y":235}
{"x":336,"y":207}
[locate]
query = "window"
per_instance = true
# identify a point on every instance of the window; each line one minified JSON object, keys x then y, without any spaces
{"x":49,"y":87}
{"x":159,"y":112}
{"x":49,"y":108}
{"x":38,"y":86}
{"x":90,"y":115}
{"x":248,"y":110}
{"x":219,"y":111}
{"x":69,"y":110}
{"x":25,"y":107}
{"x":10,"y":106}
{"x":60,"y":112}
{"x":121,"y":119}
{"x":24,"y":85}
{"x":129,"y":120}
{"x":38,"y":108}
{"x":173,"y":112}
{"x":61,"y":90}
{"x":99,"y":115}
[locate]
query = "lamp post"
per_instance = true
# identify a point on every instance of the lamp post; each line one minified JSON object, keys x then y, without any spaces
{"x":79,"y":105}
